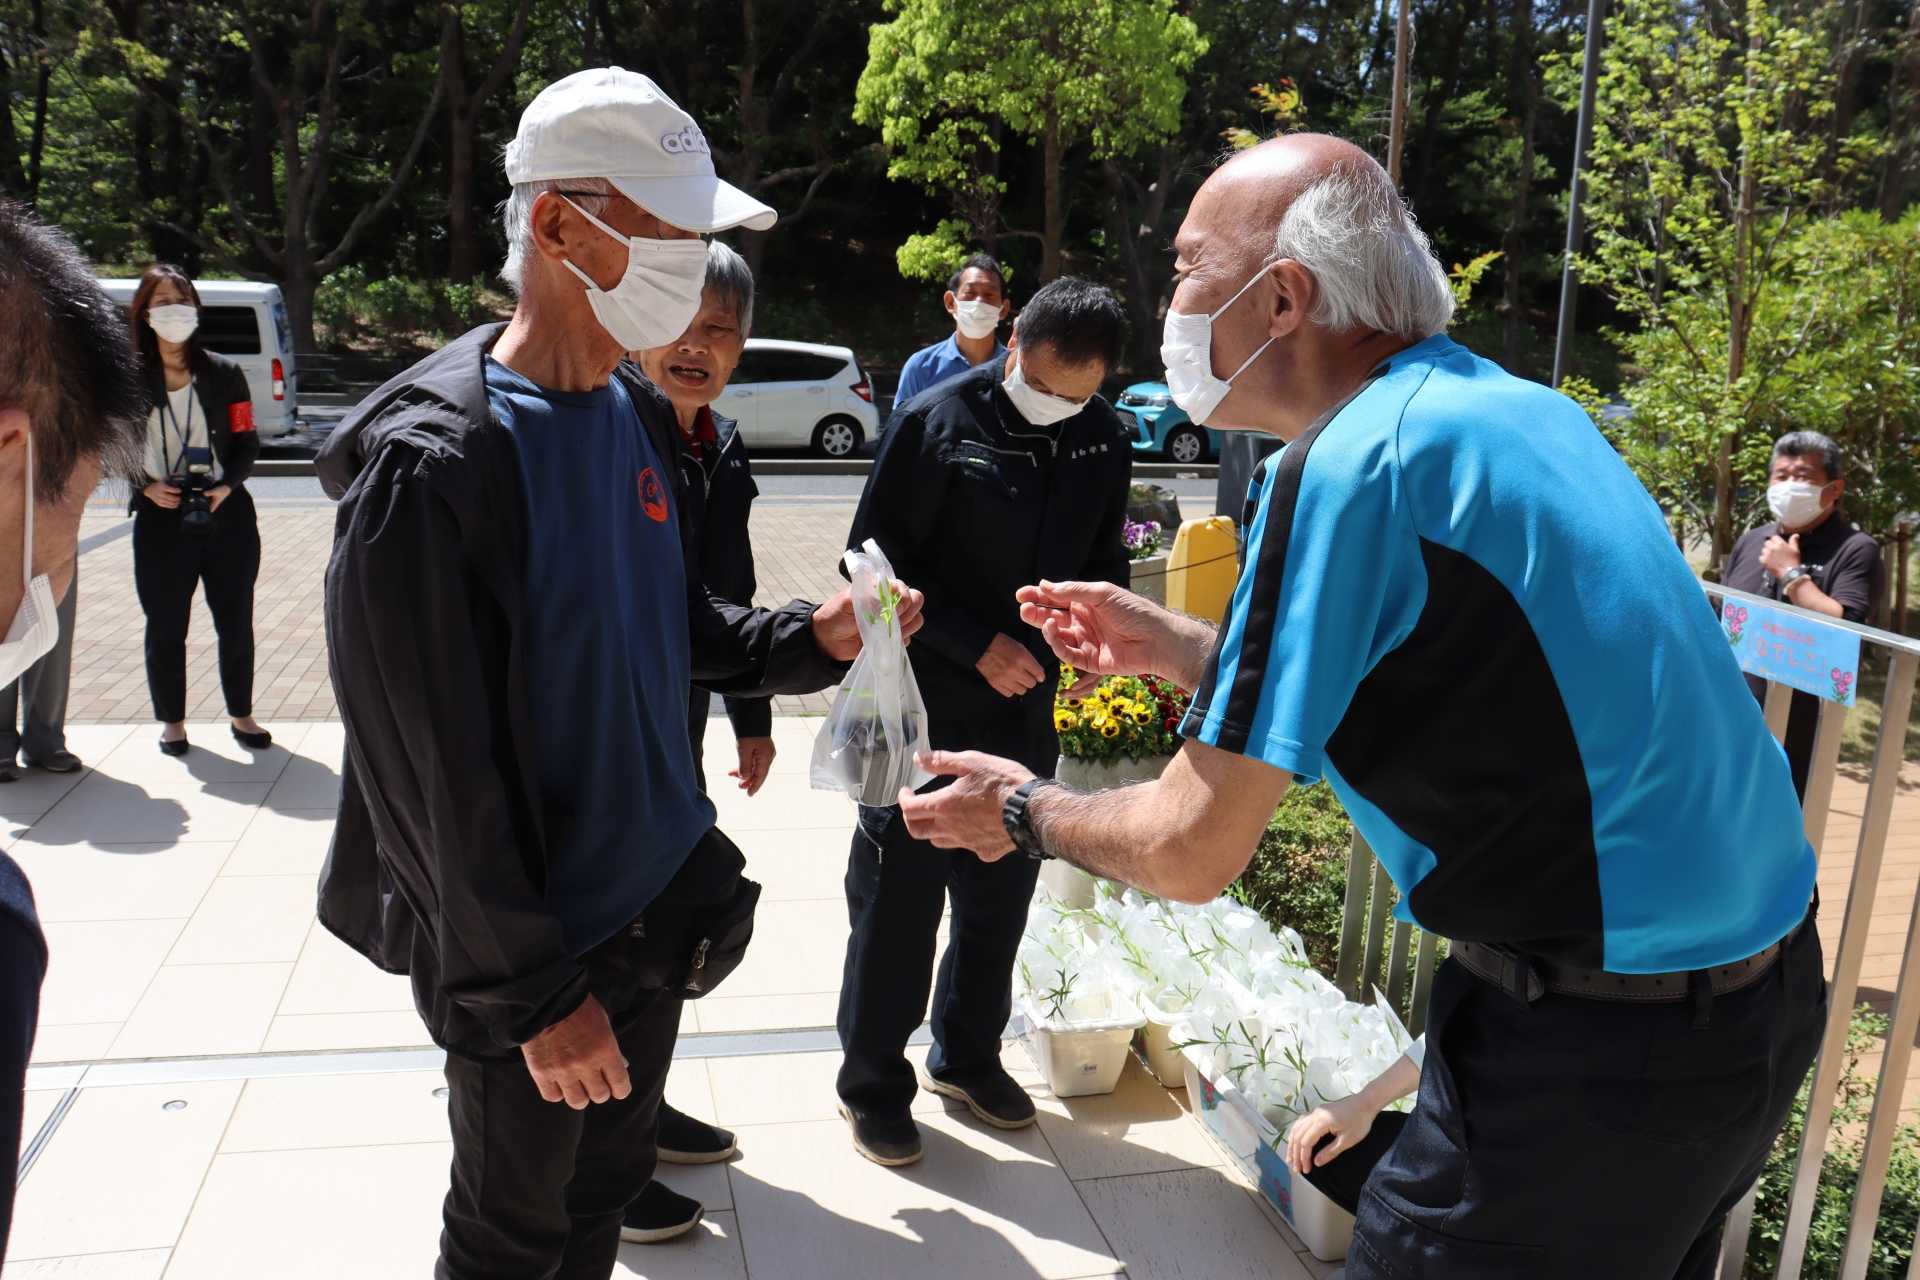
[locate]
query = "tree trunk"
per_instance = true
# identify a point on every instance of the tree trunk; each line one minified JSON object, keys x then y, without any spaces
{"x":1527,"y":95}
{"x":13,"y":178}
{"x":297,"y":282}
{"x":1054,"y":230}
{"x":462,"y":254}
{"x":1739,"y":327}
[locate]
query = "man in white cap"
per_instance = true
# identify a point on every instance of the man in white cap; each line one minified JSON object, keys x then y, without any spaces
{"x":547,"y":870}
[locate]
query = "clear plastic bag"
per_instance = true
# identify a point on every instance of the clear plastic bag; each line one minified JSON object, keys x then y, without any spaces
{"x":878,"y":723}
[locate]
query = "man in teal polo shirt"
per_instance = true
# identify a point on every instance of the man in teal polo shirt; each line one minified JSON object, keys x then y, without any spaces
{"x":1461,"y":609}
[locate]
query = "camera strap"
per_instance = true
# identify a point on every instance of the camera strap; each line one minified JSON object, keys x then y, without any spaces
{"x":185,"y":433}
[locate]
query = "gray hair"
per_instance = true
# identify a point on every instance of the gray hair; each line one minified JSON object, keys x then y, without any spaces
{"x":1811,"y":444}
{"x":516,"y":217}
{"x":1374,"y":266}
{"x":730,"y":277}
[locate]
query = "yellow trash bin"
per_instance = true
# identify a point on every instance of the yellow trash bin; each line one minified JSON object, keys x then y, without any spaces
{"x":1203,"y":567}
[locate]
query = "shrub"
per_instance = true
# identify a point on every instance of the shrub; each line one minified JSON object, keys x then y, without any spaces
{"x":1298,"y":876}
{"x":1833,"y":1199}
{"x":400,"y":304}
{"x":463,"y":304}
{"x":338,"y":301}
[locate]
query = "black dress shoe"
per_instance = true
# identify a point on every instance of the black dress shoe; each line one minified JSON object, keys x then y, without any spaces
{"x":58,"y":762}
{"x":891,"y":1140}
{"x":993,"y":1096}
{"x":684,"y":1140}
{"x":661,"y":1213}
{"x":252,"y":741}
{"x":175,"y":747}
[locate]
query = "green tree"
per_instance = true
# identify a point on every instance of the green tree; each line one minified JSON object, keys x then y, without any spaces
{"x":946,"y":80}
{"x":1710,"y":150}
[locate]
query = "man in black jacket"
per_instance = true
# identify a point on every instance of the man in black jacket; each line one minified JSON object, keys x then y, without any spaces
{"x":70,"y":408}
{"x":508,"y":524}
{"x":1012,"y":473}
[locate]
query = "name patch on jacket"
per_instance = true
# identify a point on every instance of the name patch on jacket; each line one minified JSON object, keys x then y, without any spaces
{"x":1089,"y":451}
{"x":240,"y":417}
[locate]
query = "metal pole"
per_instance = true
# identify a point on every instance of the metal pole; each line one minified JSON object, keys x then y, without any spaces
{"x":1397,"y":128}
{"x":1576,"y":214}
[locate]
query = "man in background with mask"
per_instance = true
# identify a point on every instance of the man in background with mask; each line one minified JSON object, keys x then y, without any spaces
{"x":1811,"y":556}
{"x":977,"y":300}
{"x":1462,"y":610}
{"x":71,"y":408}
{"x":513,"y":621}
{"x":1012,"y":472}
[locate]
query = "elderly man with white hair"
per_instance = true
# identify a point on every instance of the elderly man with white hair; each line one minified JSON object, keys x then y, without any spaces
{"x":513,"y":620}
{"x":1461,"y":609}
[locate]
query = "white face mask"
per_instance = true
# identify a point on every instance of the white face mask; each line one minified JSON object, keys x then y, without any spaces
{"x":1186,"y":348}
{"x":175,"y":322}
{"x":36,"y":626}
{"x":976,"y":320}
{"x":1037,"y":407}
{"x":659,"y":295}
{"x":1796,"y":503}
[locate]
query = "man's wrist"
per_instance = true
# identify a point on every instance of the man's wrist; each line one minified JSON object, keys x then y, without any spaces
{"x":1187,"y":643}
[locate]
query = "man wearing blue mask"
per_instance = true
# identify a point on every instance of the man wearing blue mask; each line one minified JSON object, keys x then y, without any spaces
{"x":1812,"y":556}
{"x":1462,"y":610}
{"x":514,"y":616}
{"x":1013,"y":471}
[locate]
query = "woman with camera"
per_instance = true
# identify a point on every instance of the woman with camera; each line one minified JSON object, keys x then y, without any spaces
{"x":193,"y":521}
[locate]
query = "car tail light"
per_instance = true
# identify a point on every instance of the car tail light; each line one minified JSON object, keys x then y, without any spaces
{"x":864,"y":389}
{"x":279,"y":381}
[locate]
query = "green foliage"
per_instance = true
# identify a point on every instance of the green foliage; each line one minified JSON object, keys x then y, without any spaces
{"x":394,"y":303}
{"x":1465,"y":277}
{"x":340,"y":300}
{"x":1833,"y":1200}
{"x":1298,"y":875}
{"x":934,"y":255}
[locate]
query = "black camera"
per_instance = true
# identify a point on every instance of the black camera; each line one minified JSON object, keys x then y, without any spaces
{"x":196,"y":508}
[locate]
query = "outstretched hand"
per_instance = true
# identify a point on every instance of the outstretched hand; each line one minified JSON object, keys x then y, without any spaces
{"x":1096,"y":627}
{"x":837,"y":631}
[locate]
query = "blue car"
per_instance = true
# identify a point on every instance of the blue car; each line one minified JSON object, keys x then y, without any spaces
{"x":1156,"y":425}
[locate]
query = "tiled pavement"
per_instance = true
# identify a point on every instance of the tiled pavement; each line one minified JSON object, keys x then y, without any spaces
{"x":797,"y":545}
{"x":223,"y":1090}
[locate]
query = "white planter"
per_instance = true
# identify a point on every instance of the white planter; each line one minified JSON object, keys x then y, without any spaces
{"x":1069,"y":884}
{"x":1080,"y":1059}
{"x":1252,"y":1144}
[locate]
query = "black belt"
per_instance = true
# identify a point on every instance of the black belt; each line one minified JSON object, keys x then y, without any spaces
{"x":1530,"y":977}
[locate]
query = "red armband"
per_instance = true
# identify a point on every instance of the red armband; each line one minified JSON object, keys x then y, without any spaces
{"x":240,"y":417}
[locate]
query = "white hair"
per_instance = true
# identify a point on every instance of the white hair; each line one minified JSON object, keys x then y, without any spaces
{"x":1374,"y":266}
{"x":729,"y":275}
{"x":516,"y":216}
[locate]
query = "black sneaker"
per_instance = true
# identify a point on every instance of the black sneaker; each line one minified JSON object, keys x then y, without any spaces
{"x":684,"y":1140}
{"x":661,"y":1213}
{"x":991,"y":1095}
{"x":58,"y":762}
{"x":888,"y":1140}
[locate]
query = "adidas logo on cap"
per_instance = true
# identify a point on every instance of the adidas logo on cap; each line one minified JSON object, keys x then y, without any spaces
{"x":688,"y":141}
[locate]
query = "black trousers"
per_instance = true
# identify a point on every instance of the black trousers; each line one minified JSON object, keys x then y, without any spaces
{"x":42,"y":731}
{"x":539,"y":1188}
{"x":168,"y":563}
{"x":896,"y":887}
{"x":1580,"y":1139}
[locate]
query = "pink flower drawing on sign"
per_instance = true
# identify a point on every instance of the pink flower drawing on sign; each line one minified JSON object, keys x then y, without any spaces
{"x":1734,"y":618}
{"x":1842,"y":683}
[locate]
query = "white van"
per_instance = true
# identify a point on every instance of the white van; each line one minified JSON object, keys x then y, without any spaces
{"x":247,"y":323}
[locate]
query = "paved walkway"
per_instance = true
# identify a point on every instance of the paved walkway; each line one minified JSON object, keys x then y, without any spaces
{"x":225,"y":1091}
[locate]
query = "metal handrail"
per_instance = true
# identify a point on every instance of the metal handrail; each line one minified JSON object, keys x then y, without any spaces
{"x":1363,"y":941}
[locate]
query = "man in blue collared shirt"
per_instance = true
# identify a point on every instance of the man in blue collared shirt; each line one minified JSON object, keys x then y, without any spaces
{"x":977,"y":301}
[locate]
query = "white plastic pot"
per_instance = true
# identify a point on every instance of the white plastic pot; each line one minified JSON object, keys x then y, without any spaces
{"x":1079,"y":1059}
{"x":1252,"y":1144}
{"x":1154,"y":1042}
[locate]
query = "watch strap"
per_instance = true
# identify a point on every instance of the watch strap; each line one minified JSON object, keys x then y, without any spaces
{"x":1019,"y":824}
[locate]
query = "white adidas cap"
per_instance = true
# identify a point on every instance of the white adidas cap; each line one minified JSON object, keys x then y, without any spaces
{"x":616,"y":124}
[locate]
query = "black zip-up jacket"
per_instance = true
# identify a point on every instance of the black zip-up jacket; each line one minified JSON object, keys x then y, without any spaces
{"x":226,"y":401}
{"x":971,"y":502}
{"x":719,"y":492}
{"x":438,"y":862}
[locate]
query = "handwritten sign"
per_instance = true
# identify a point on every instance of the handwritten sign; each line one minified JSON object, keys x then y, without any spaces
{"x":1776,"y":644}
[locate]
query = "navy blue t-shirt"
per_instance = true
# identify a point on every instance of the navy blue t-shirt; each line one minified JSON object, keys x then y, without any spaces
{"x":607,"y":656}
{"x":1461,"y":608}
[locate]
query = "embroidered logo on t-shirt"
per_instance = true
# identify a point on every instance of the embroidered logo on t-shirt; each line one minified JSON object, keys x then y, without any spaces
{"x":653,"y":496}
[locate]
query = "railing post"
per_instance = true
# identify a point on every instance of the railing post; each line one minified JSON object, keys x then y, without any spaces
{"x":1397,"y":963}
{"x":1423,"y":965}
{"x":1376,"y":927}
{"x":1779,"y":706}
{"x":1346,"y":972}
{"x":1888,"y":755}
{"x":1820,"y":770}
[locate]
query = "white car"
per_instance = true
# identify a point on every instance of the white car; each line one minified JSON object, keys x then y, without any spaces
{"x":801,"y":395}
{"x":247,"y":323}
